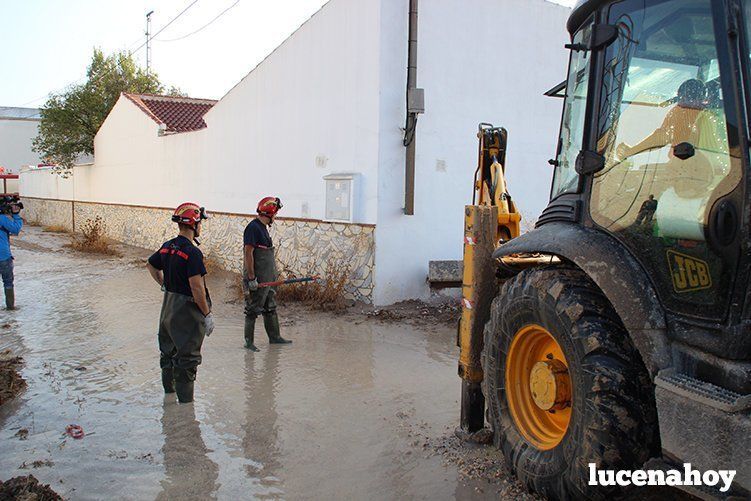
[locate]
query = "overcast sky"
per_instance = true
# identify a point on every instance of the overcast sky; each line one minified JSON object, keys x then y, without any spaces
{"x":46,"y":45}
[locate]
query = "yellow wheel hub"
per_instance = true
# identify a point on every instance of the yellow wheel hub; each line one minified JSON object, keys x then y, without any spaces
{"x":538,"y":387}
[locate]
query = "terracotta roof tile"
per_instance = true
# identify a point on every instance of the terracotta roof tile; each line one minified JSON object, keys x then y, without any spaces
{"x":177,"y":114}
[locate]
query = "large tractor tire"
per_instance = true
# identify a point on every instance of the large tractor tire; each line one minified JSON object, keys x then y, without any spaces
{"x":564,"y":385}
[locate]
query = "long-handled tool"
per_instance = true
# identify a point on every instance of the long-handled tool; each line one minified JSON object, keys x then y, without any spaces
{"x":289,"y":281}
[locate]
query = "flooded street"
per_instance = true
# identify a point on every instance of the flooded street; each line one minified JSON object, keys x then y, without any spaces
{"x":355,"y":408}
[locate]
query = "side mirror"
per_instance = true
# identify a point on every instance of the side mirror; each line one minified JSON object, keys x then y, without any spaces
{"x":602,"y":35}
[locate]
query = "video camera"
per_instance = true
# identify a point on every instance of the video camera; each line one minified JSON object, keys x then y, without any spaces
{"x":10,"y":204}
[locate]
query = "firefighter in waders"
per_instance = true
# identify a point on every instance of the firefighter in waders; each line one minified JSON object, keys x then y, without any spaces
{"x":260,"y":267}
{"x":186,"y":310}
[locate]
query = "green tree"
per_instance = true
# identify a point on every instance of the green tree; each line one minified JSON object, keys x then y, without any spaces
{"x":71,"y":119}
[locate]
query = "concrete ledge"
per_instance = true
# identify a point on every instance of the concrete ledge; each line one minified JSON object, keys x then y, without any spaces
{"x":445,"y":274}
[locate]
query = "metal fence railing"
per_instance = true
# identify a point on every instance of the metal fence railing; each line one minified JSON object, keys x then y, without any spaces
{"x":9,"y":184}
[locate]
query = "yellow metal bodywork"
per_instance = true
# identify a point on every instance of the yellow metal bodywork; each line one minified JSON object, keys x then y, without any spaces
{"x":492,"y":220}
{"x":538,"y":387}
{"x":480,"y":223}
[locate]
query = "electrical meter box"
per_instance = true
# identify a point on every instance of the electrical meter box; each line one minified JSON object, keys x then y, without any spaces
{"x":341,"y":192}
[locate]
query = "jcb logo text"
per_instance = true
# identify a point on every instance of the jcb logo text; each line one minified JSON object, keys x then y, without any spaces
{"x":688,"y":273}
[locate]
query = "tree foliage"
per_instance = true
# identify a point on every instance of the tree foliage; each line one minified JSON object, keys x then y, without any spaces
{"x":71,"y":119}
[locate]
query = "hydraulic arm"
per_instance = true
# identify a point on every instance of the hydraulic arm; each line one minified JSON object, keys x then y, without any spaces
{"x":490,"y":221}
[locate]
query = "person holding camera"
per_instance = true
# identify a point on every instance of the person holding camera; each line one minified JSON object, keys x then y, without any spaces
{"x":10,"y":224}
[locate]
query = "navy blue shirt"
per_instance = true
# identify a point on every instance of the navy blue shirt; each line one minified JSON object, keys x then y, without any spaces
{"x":179,"y":259}
{"x":257,"y":235}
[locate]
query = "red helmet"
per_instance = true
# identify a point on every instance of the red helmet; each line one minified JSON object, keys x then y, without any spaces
{"x":269,"y":206}
{"x":189,"y":214}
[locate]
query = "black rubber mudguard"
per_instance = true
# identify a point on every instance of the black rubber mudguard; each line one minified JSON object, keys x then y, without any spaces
{"x":616,"y":273}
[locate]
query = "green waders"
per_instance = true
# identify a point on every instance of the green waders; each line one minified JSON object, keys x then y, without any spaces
{"x":262,"y":301}
{"x":181,"y":332}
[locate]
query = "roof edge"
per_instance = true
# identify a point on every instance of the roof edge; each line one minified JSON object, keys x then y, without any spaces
{"x":270,"y":54}
{"x":166,"y":97}
{"x":135,"y":99}
{"x":582,"y":10}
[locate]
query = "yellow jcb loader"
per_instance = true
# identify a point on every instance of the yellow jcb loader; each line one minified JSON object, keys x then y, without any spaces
{"x":616,"y":335}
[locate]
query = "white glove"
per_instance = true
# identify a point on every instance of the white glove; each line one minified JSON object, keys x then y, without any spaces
{"x":209,"y":322}
{"x":252,"y":284}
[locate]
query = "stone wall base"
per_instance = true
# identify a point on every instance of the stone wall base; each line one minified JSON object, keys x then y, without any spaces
{"x":303,"y":246}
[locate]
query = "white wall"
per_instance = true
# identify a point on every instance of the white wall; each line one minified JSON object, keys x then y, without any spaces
{"x":15,"y":144}
{"x":44,"y":183}
{"x":135,"y":166}
{"x":478,"y":61}
{"x":315,"y":95}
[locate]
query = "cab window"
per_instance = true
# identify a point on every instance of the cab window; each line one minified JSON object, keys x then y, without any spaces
{"x":565,"y":178}
{"x":664,"y":136}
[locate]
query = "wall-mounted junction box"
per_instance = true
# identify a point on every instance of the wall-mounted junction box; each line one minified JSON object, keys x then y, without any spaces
{"x":341,"y":190}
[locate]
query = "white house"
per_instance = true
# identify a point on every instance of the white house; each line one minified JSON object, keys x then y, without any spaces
{"x":18,"y":128}
{"x":320,"y":122}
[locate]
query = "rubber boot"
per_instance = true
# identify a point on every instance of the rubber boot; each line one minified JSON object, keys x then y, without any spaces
{"x":271,"y":323}
{"x":168,"y":380}
{"x":184,"y":391}
{"x":250,"y":329}
{"x":184,"y":385}
{"x":10,"y":299}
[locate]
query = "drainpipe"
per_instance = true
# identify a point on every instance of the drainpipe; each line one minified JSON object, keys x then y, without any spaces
{"x":415,"y":106}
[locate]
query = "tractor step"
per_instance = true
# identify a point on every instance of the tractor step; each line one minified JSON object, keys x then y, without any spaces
{"x":705,"y":425}
{"x":707,"y":393}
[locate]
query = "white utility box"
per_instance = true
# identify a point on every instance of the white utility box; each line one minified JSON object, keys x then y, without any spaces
{"x":341,"y":190}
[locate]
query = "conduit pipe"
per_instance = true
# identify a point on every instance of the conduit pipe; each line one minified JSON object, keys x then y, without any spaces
{"x":415,"y":106}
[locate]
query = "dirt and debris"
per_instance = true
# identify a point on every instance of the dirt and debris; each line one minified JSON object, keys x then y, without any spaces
{"x":22,"y":434}
{"x":416,"y":312}
{"x":39,"y":463}
{"x":117,"y":454}
{"x":483,"y":436}
{"x":11,"y":382}
{"x":27,"y":488}
{"x":55,"y":229}
{"x":478,"y":464}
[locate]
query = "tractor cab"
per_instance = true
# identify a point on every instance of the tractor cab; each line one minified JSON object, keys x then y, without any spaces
{"x":653,"y":143}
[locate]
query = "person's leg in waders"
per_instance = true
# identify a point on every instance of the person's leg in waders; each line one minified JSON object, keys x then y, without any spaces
{"x":254,"y":301}
{"x":167,"y":350}
{"x":187,"y":330}
{"x":271,"y":320}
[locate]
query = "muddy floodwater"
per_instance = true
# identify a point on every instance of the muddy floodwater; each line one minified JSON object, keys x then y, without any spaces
{"x":355,"y":408}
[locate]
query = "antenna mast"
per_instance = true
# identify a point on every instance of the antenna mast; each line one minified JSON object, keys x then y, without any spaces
{"x":148,"y":41}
